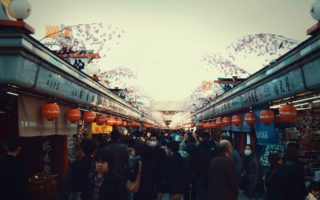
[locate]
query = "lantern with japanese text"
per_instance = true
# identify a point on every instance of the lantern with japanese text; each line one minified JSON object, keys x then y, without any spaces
{"x":288,"y":113}
{"x":73,"y":115}
{"x":111,"y":121}
{"x":267,"y":116}
{"x":50,"y":111}
{"x":226,"y":121}
{"x":250,"y":118}
{"x":118,"y":121}
{"x":100,"y":119}
{"x":219,"y":122}
{"x":236,"y":120}
{"x":89,"y":117}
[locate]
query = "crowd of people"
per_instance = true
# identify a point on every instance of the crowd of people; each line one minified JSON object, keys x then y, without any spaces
{"x":186,"y":165}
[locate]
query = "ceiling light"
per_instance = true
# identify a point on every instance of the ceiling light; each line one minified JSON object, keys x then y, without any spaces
{"x":306,"y":99}
{"x":299,"y":105}
{"x":11,"y":93}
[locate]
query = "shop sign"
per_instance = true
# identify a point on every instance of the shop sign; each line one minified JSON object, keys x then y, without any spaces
{"x":311,"y":72}
{"x":266,"y":134}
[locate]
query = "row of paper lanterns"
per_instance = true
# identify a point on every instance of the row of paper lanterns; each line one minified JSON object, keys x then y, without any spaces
{"x":51,"y":111}
{"x":287,"y":113}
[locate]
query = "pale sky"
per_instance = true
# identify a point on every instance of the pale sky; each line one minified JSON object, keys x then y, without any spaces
{"x":165,"y":39}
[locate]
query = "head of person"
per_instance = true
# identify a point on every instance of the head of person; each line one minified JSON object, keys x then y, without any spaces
{"x":13,"y":145}
{"x":154,"y":140}
{"x":313,"y":188}
{"x":292,"y":151}
{"x":104,"y":161}
{"x":115,"y":135}
{"x":204,"y":136}
{"x":132,"y":147}
{"x":226,"y":147}
{"x":173,"y":147}
{"x":275,"y":160}
{"x":88,"y":146}
{"x":248,"y":150}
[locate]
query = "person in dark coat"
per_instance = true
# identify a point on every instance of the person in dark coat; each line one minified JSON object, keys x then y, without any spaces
{"x":273,"y":178}
{"x":253,"y":182}
{"x":275,"y":164}
{"x":79,"y":171}
{"x":204,"y":154}
{"x":222,"y":179}
{"x":175,"y":178}
{"x":120,"y":153}
{"x":293,"y":181}
{"x":103,"y":183}
{"x":13,"y":174}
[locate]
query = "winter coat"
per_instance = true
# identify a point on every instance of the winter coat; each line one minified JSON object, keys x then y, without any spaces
{"x":205,"y":153}
{"x":175,"y":175}
{"x":112,"y":188}
{"x":222,"y":179}
{"x":253,"y":182}
{"x":121,"y":155}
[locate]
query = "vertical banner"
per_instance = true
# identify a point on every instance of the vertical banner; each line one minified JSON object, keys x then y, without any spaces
{"x":266,"y":134}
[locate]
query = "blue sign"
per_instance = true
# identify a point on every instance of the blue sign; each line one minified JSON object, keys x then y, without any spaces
{"x":266,"y":134}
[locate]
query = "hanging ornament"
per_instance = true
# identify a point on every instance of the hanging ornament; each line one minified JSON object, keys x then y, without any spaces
{"x":89,"y":117}
{"x":100,"y":119}
{"x":73,"y":115}
{"x":111,"y":121}
{"x":219,"y":122}
{"x":267,"y":116}
{"x":50,"y":111}
{"x":226,"y":121}
{"x":250,"y":118}
{"x":288,"y":113}
{"x":236,"y":120}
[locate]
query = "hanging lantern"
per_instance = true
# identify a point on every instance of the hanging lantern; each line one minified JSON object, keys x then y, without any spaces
{"x":250,"y":118}
{"x":89,"y":117}
{"x":236,"y":120}
{"x":50,"y":111}
{"x":100,"y":119}
{"x":219,"y":122}
{"x":73,"y":115}
{"x":267,"y":116}
{"x":118,"y":121}
{"x":288,"y":113}
{"x":226,"y":121}
{"x":206,"y":125}
{"x":213,"y":124}
{"x":124,"y":123}
{"x":131,"y":124}
{"x":200,"y":124}
{"x":111,"y":121}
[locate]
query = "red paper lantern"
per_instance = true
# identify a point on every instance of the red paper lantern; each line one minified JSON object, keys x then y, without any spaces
{"x":213,"y":124}
{"x":267,"y":116}
{"x":130,"y":124}
{"x":111,"y":121}
{"x":219,"y":122}
{"x":226,"y":121}
{"x":236,"y":120}
{"x":250,"y":118}
{"x":200,"y":124}
{"x":50,"y":111}
{"x":73,"y":115}
{"x":118,"y":121}
{"x":207,"y":125}
{"x":288,"y":113}
{"x":124,"y":123}
{"x":100,"y":119}
{"x":89,"y":117}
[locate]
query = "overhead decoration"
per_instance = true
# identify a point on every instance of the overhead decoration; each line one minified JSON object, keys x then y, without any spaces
{"x":124,"y":123}
{"x":226,"y":121}
{"x":118,"y":121}
{"x":111,"y":121}
{"x":89,"y":117}
{"x":288,"y":113}
{"x":73,"y":115}
{"x":267,"y":116}
{"x":50,"y":111}
{"x":100,"y":119}
{"x":219,"y":122}
{"x":250,"y":118}
{"x":236,"y":120}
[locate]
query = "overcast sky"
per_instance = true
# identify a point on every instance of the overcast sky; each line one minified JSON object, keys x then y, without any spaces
{"x":165,"y":39}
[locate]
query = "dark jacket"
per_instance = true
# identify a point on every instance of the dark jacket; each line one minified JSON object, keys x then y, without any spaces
{"x":175,"y":175}
{"x":120,"y":153}
{"x":112,"y":188}
{"x":204,"y":154}
{"x":274,"y":184}
{"x":222,"y":179}
{"x":158,"y":156}
{"x":253,"y":182}
{"x":293,"y":181}
{"x":78,"y":173}
{"x":13,"y":179}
